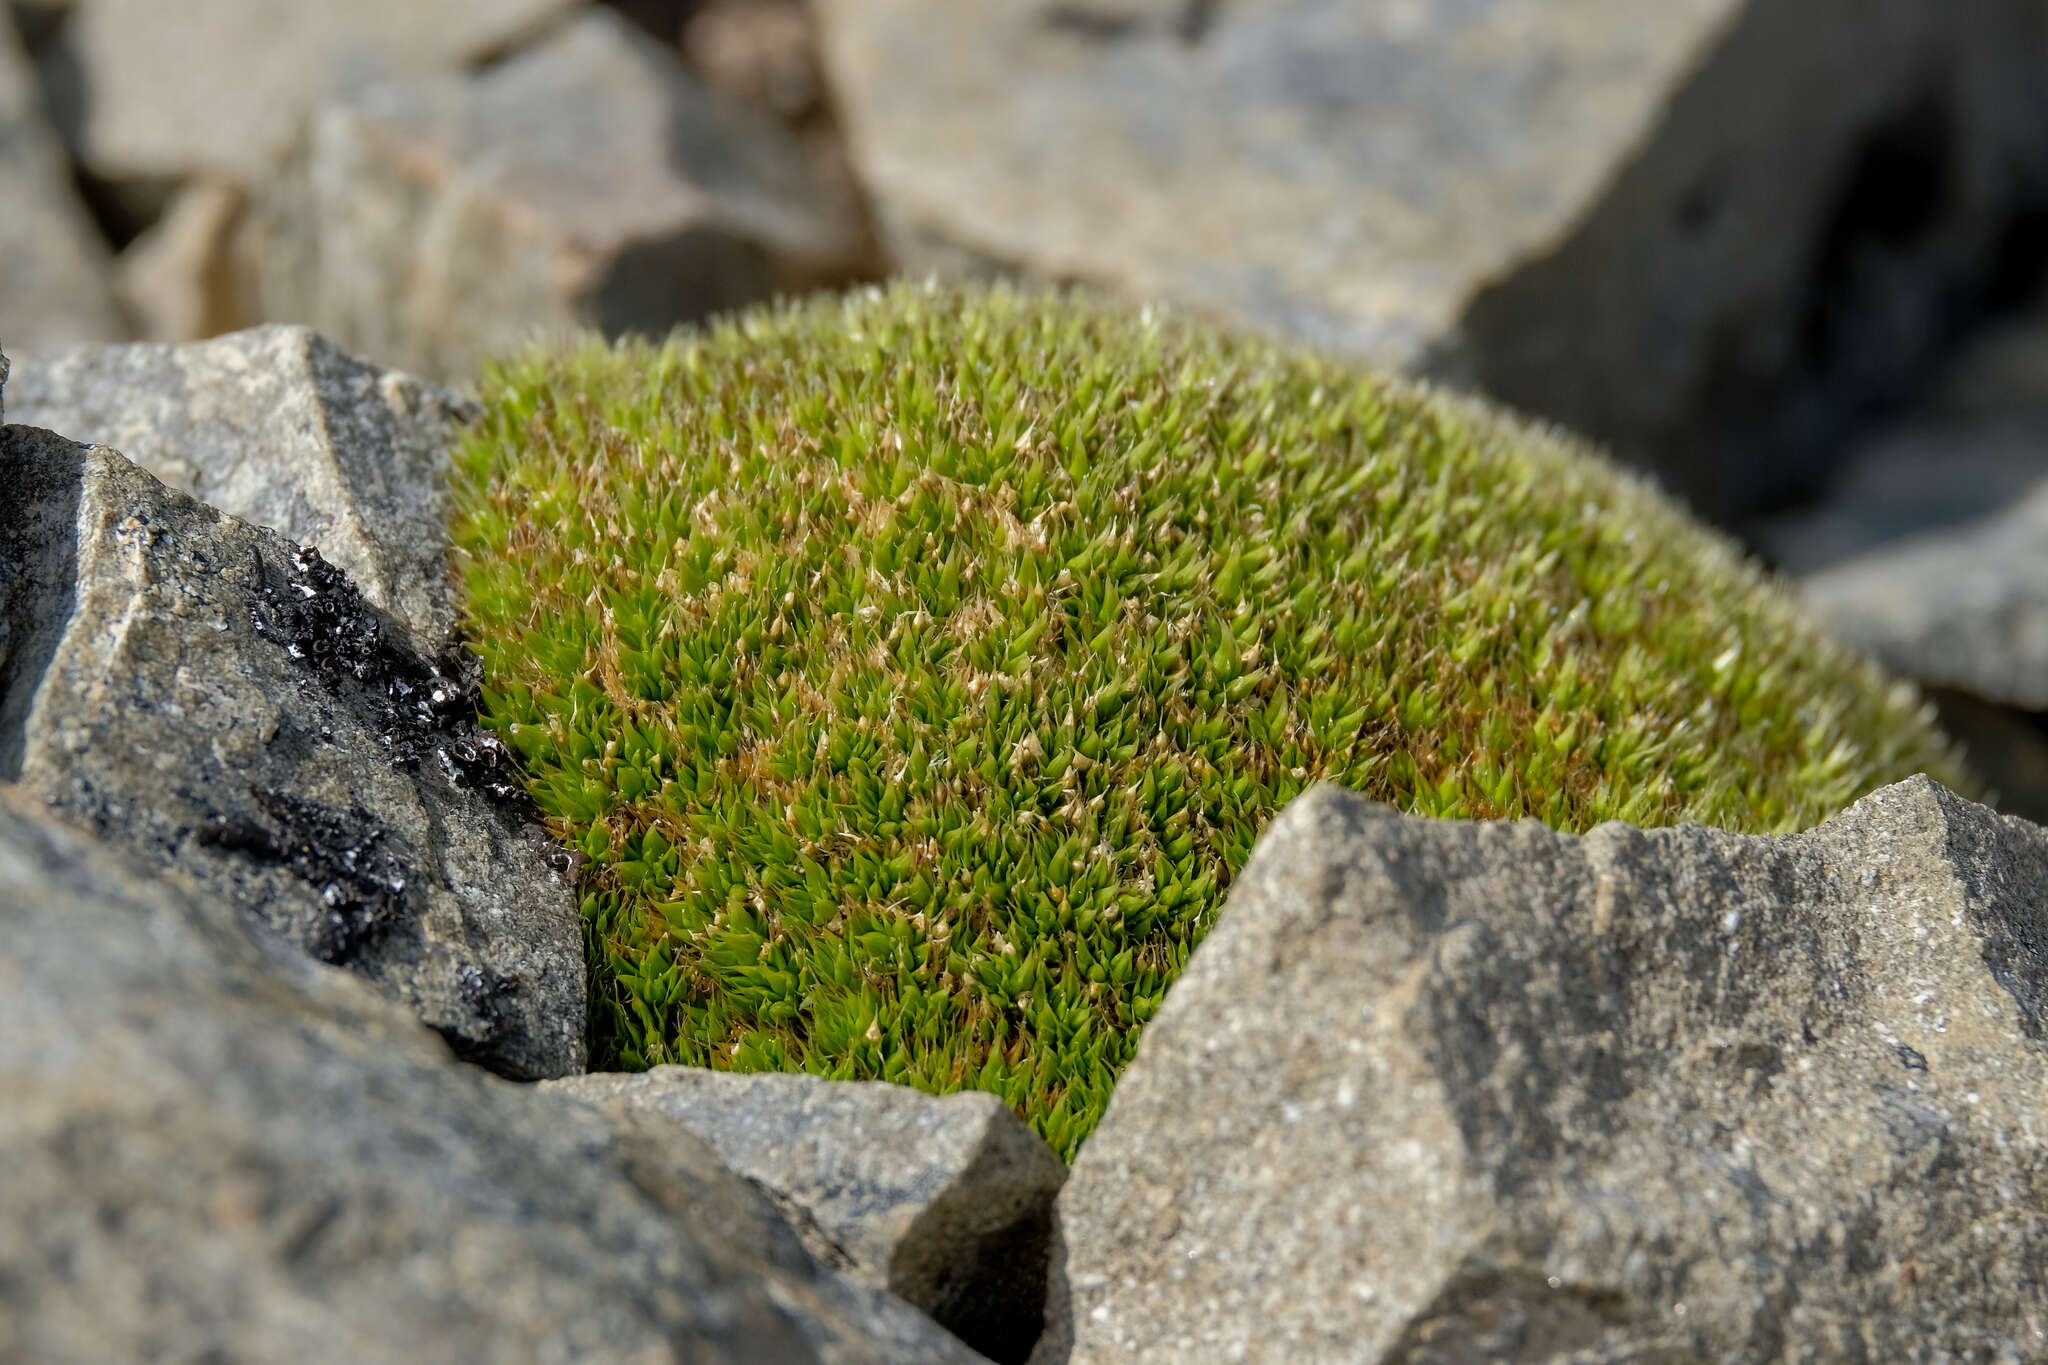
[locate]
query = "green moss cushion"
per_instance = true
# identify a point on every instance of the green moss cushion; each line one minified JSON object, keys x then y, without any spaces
{"x":916,"y":668}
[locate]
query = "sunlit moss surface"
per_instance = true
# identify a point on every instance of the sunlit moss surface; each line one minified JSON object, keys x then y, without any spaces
{"x":917,"y":668}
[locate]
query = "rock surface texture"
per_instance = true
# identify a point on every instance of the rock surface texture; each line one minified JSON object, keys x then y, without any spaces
{"x":56,"y":274}
{"x":945,"y":1202}
{"x":213,"y":698}
{"x":1679,"y":227}
{"x":590,"y":182}
{"x":219,"y":1152}
{"x":220,"y":86}
{"x":1441,"y":1091}
{"x":280,"y":427}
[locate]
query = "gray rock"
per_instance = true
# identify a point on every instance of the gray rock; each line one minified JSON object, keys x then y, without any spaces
{"x":210,"y":697}
{"x":1929,"y":474}
{"x":1964,"y":607}
{"x":221,"y":86}
{"x":1445,"y":1091}
{"x":56,"y":273}
{"x":278,"y":426}
{"x":217,"y":1152}
{"x":1969,"y":450}
{"x":1707,"y":232}
{"x":945,"y":1202}
{"x":590,"y":182}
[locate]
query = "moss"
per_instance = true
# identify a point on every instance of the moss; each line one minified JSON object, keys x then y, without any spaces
{"x":916,"y":668}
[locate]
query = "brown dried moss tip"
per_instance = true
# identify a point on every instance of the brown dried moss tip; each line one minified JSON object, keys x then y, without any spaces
{"x":917,"y":667}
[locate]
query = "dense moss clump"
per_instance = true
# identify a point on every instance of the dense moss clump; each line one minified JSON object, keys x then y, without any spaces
{"x":916,"y":668}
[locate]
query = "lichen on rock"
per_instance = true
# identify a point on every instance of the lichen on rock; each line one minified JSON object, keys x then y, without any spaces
{"x":917,"y":668}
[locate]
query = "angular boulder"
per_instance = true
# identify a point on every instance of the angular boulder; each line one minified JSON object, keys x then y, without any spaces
{"x":589,"y":182}
{"x":1446,"y":1091}
{"x":280,"y":427}
{"x":221,"y":86}
{"x":56,"y":271}
{"x":219,"y":1152}
{"x":211,"y":697}
{"x":946,"y":1202}
{"x":1708,"y":232}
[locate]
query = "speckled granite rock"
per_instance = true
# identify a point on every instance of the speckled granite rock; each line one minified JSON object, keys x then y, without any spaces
{"x":1446,"y":1091}
{"x":589,"y":182}
{"x":210,"y":697}
{"x":218,"y":1150}
{"x":945,"y":1202}
{"x":279,"y":426}
{"x":1707,"y":231}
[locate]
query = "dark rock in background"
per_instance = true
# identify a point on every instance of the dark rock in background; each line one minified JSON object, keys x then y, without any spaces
{"x":217,"y":1151}
{"x":945,"y":1202}
{"x":1965,"y":608}
{"x":1930,"y":550}
{"x":1433,"y":1090}
{"x":210,"y":697}
{"x":2004,"y":745}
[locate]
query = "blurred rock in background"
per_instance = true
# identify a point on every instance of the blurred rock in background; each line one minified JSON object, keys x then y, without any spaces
{"x":1777,"y":255}
{"x":1930,"y":549}
{"x":197,"y":134}
{"x":56,"y":282}
{"x":587,"y":182}
{"x":218,"y":86}
{"x":763,"y":54}
{"x":180,"y":278}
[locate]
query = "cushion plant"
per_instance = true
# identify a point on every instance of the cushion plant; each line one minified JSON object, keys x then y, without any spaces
{"x":915,"y":668}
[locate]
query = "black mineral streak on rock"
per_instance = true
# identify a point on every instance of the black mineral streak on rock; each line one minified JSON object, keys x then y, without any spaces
{"x":425,"y":708}
{"x":489,"y":998}
{"x":420,"y":710}
{"x":362,"y":886}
